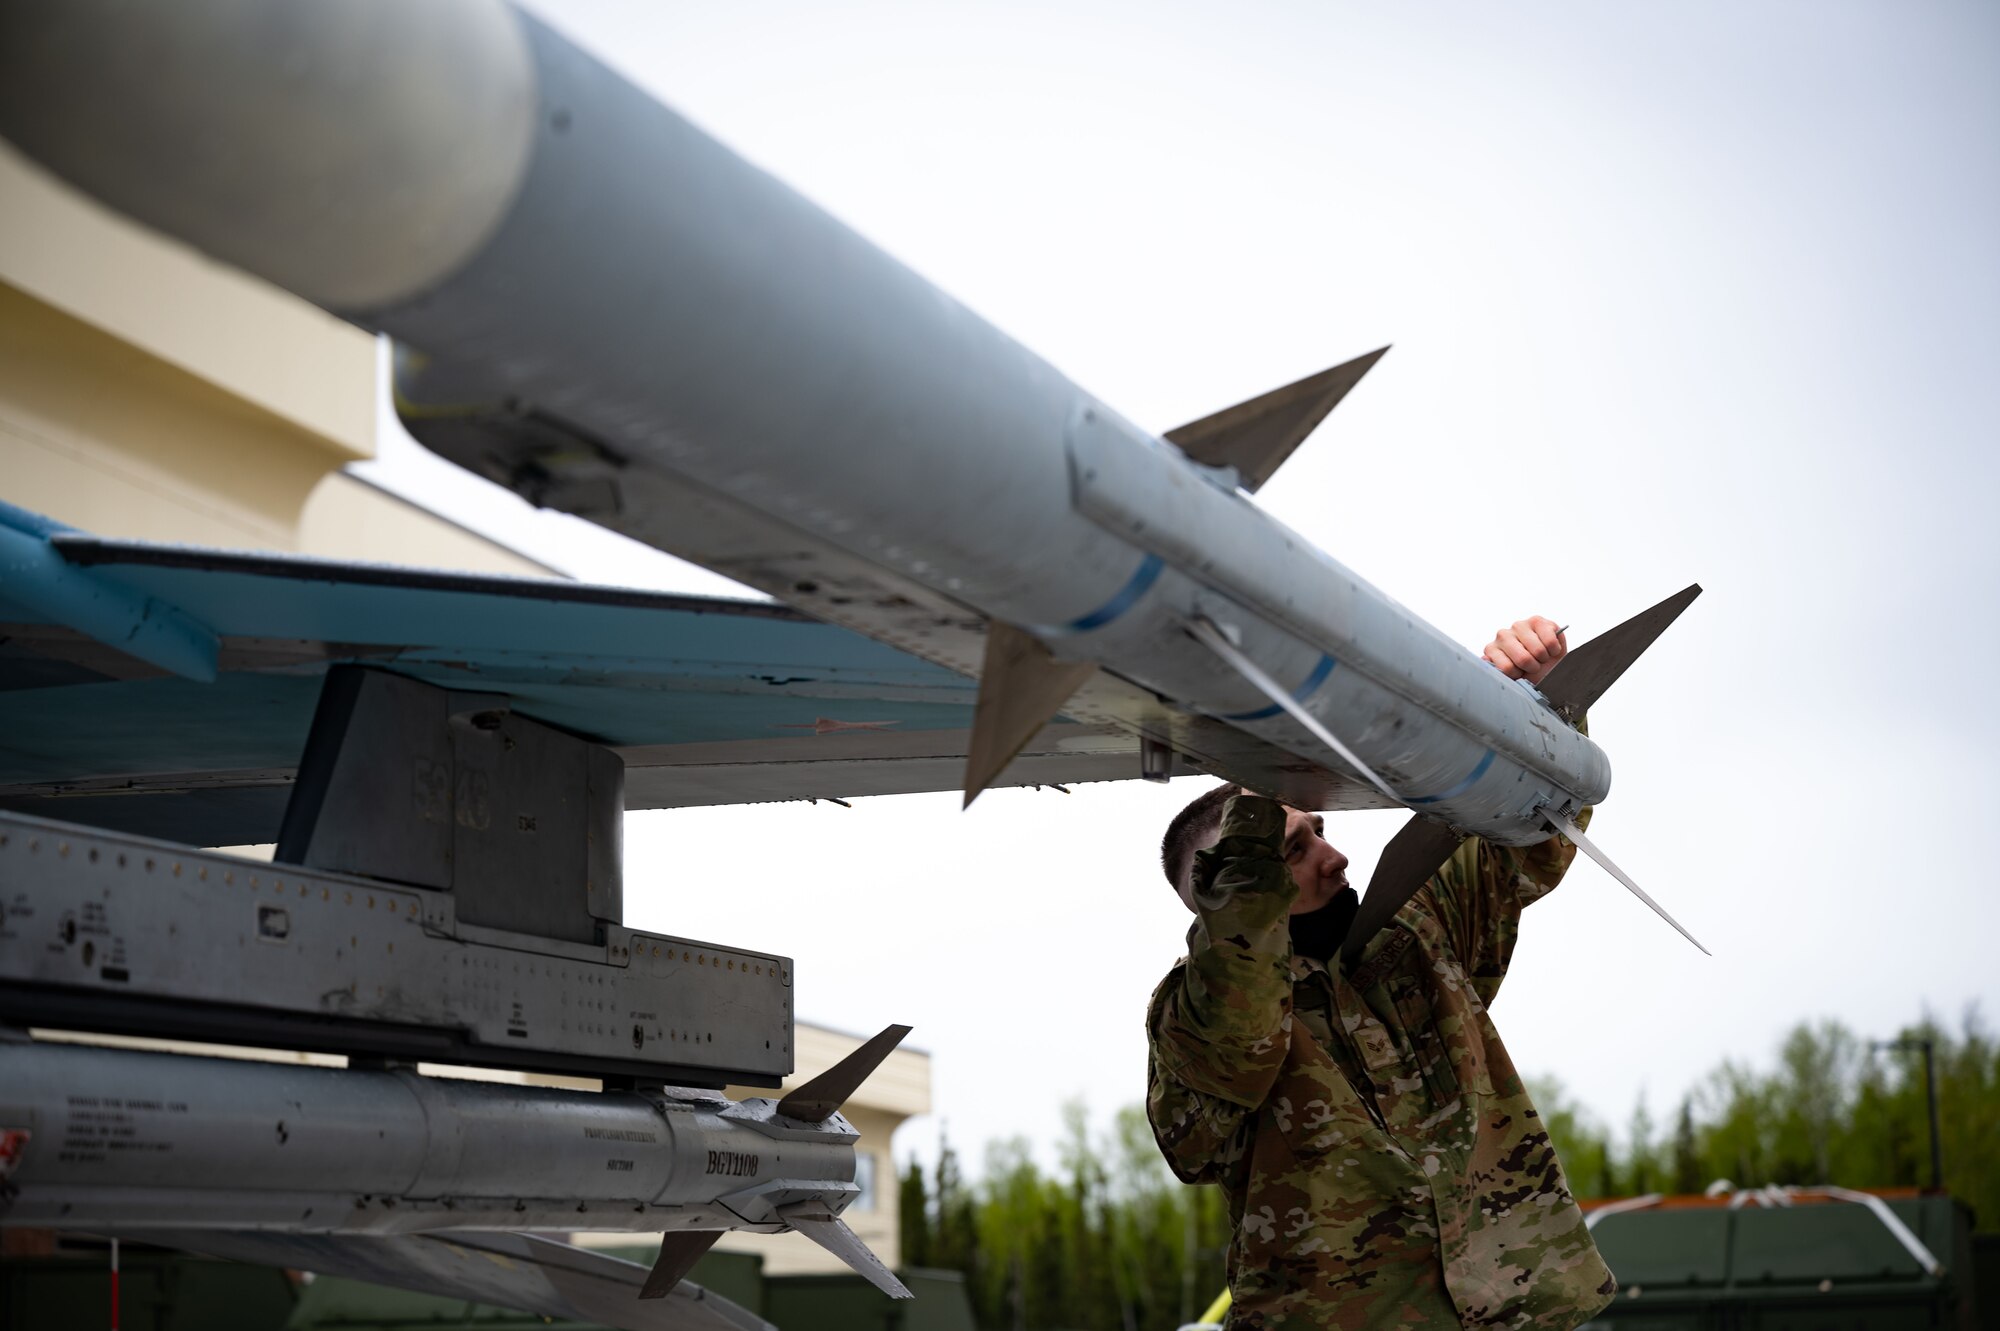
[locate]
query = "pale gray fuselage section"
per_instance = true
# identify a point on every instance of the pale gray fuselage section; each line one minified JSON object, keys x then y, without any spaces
{"x":749,"y":383}
{"x":133,"y":1139}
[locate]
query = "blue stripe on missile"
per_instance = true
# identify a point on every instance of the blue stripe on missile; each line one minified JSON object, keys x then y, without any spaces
{"x":1300,"y":694}
{"x":1128,"y":596}
{"x":1462,"y":786}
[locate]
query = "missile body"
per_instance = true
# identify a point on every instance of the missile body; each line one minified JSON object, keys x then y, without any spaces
{"x":124,"y":1139}
{"x":604,"y":308}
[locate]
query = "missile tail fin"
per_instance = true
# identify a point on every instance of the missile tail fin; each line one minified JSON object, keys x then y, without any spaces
{"x":1569,"y":829}
{"x":1256,"y":437}
{"x":1021,"y":688}
{"x":831,"y":1232}
{"x":1408,"y":861}
{"x":821,"y":1098}
{"x":1581,"y":677}
{"x":678,"y":1254}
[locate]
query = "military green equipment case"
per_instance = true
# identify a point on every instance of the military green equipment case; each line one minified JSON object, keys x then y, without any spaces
{"x":1808,"y":1267}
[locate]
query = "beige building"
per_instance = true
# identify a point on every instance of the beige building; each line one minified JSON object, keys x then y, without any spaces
{"x":148,"y":392}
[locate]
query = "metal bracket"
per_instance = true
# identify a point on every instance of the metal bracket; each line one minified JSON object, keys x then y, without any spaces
{"x":408,"y":782}
{"x":107,"y":932}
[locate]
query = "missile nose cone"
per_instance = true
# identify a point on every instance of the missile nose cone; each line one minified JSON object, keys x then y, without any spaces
{"x":351,"y":153}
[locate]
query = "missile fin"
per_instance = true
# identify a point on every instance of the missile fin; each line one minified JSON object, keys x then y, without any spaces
{"x":1557,"y":823}
{"x":678,"y":1254}
{"x":1021,"y":688}
{"x":829,"y":1231}
{"x":1211,"y":637}
{"x":1581,"y":677}
{"x":821,"y":1098}
{"x":1408,"y":861}
{"x":1256,"y":437}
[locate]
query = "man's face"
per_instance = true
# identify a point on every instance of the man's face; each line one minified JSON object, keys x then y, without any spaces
{"x":1318,"y":869}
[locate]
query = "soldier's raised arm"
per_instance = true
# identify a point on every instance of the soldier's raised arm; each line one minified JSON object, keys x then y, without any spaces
{"x":1217,"y":1023}
{"x":1479,"y":894}
{"x":1480,"y":891}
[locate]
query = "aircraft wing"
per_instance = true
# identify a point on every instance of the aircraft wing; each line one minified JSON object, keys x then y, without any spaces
{"x":524,"y":1271}
{"x":708,"y":700}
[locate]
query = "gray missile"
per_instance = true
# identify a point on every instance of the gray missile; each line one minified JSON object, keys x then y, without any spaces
{"x":132,"y":1142}
{"x":603,"y":308}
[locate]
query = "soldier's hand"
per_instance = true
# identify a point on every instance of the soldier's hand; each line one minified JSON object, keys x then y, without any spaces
{"x":1527,"y":649}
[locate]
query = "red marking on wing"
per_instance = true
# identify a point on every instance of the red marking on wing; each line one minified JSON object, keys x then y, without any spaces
{"x":826,"y":725}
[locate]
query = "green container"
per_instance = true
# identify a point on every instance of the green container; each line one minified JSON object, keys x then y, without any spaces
{"x":158,"y":1291}
{"x":1815,"y":1266}
{"x":849,"y":1303}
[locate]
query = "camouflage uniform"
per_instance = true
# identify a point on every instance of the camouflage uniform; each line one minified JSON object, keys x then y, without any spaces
{"x":1382,"y":1163}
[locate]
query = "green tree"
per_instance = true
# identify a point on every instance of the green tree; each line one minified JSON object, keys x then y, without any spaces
{"x":1642,"y":1172}
{"x":954,"y":1237}
{"x":913,"y":1217}
{"x":1734,"y":1146}
{"x":1111,"y":1241}
{"x":1687,"y":1175}
{"x":1808,"y":1100}
{"x":1579,"y":1143}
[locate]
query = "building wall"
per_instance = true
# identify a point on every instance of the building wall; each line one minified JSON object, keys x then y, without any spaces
{"x":102,"y":435}
{"x":346,"y":517}
{"x":148,"y":392}
{"x":251,"y":340}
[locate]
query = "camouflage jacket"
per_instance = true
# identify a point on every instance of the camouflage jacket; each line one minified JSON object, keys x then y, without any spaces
{"x":1382,"y":1163}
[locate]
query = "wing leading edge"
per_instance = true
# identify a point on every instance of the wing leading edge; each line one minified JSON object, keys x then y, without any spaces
{"x":707,"y":700}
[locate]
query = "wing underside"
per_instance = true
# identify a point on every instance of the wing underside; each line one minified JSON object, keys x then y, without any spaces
{"x":707,"y":700}
{"x":524,"y":1271}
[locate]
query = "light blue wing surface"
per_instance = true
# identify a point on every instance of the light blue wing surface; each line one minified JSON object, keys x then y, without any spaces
{"x":708,"y":700}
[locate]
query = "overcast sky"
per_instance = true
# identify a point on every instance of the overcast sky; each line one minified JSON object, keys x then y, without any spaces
{"x":1693,"y":292}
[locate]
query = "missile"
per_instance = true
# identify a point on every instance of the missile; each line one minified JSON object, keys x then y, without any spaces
{"x":135,"y":1142}
{"x":601,"y":307}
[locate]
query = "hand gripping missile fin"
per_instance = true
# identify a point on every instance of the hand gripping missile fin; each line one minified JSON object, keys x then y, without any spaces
{"x":1416,"y":852}
{"x":821,"y":1098}
{"x":1021,"y":688}
{"x":1581,"y":677}
{"x":678,"y":1254}
{"x":1209,"y":636}
{"x":1256,"y":437}
{"x":1557,"y":823}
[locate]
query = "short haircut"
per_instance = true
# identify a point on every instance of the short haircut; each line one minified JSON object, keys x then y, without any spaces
{"x":1194,"y":828}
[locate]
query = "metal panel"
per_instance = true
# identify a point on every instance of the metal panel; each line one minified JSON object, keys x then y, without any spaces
{"x":374,"y":794}
{"x":118,"y":933}
{"x":1812,"y":1243}
{"x":1667,"y":1248}
{"x":522,"y":822}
